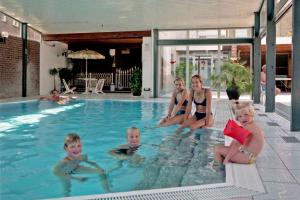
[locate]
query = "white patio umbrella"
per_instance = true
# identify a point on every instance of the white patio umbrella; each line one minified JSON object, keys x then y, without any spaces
{"x":86,"y":54}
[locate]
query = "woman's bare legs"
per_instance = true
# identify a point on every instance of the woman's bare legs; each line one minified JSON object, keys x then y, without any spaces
{"x":178,"y":119}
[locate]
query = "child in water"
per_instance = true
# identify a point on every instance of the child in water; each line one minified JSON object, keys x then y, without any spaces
{"x":133,"y":143}
{"x":56,"y":97}
{"x":71,"y":165}
{"x":127,"y":151}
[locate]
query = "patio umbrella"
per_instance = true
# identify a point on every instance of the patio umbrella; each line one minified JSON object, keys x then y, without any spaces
{"x":86,"y":54}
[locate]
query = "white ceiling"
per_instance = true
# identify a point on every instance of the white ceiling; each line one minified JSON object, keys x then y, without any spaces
{"x":80,"y":16}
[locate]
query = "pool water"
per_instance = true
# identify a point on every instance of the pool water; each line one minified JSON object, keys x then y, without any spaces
{"x":31,"y":143}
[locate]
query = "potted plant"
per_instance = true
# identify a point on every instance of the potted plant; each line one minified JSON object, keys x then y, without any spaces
{"x":53,"y":72}
{"x":235,"y":77}
{"x":136,"y":82}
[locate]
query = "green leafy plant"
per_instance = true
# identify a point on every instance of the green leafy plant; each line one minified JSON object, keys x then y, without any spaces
{"x":181,"y":70}
{"x":53,"y":72}
{"x":233,"y":76}
{"x":136,"y":82}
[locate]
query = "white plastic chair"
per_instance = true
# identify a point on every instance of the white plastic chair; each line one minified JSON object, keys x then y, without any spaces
{"x":68,"y":90}
{"x":99,"y":86}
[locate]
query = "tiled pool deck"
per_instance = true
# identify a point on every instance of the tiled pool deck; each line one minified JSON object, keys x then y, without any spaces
{"x":279,"y":163}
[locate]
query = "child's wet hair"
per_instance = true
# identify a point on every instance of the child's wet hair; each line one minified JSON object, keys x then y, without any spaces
{"x":71,"y":138}
{"x":52,"y":91}
{"x":248,"y":108}
{"x":133,"y":129}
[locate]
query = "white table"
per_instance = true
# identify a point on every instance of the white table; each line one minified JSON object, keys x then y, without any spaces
{"x":88,"y":86}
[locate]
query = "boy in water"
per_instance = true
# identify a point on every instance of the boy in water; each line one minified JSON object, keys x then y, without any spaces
{"x":247,"y":153}
{"x":70,"y":165}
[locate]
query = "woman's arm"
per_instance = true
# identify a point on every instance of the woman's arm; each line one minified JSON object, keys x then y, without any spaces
{"x":179,"y":105}
{"x":208,"y":97}
{"x":189,"y":106}
{"x":171,"y":106}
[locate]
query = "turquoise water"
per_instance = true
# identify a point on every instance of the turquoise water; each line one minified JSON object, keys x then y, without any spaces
{"x":31,"y":143}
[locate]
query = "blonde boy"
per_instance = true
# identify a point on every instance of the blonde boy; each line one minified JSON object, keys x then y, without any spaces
{"x":71,"y":165}
{"x":236,"y":152}
{"x":133,"y":143}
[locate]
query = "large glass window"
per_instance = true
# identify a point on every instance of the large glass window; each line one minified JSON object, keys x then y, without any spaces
{"x":284,"y":53}
{"x":206,"y":34}
{"x":186,"y":61}
{"x":263,"y":17}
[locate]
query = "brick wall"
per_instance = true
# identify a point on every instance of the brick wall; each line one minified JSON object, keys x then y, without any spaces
{"x":11,"y":68}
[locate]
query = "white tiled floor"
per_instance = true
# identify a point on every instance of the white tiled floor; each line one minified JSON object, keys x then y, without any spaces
{"x":285,"y":191}
{"x":279,"y":163}
{"x":296,"y":174}
{"x":276,"y":175}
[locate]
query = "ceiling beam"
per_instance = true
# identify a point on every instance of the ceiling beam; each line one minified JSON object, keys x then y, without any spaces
{"x":95,"y":36}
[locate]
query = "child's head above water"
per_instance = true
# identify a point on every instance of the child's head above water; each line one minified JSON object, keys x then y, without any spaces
{"x":54,"y":92}
{"x":133,"y":136}
{"x":72,"y":145}
{"x":245,"y":115}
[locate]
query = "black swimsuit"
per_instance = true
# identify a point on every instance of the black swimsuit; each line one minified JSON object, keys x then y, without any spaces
{"x":200,"y":115}
{"x":127,"y":149}
{"x":181,"y":111}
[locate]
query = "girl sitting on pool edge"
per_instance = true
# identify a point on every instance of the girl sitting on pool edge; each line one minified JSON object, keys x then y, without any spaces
{"x":242,"y":153}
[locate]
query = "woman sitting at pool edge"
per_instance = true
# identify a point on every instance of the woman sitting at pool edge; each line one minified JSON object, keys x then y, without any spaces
{"x":180,"y":99}
{"x":202,"y":98}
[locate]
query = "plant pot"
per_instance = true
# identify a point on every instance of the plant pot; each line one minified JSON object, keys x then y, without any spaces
{"x":233,"y":93}
{"x":136,"y":93}
{"x":112,"y":87}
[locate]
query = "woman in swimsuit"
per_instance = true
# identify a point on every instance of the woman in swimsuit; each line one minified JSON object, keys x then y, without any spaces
{"x":177,"y":107}
{"x":202,"y":99}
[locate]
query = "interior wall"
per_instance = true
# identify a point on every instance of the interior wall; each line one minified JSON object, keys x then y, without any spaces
{"x":51,"y":56}
{"x":11,"y":68}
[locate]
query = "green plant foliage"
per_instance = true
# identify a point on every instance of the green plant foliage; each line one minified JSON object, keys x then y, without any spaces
{"x":233,"y":75}
{"x":65,"y":73}
{"x":181,"y":71}
{"x":136,"y":82}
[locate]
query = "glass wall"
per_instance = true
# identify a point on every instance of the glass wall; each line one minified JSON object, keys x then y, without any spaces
{"x":186,"y":61}
{"x":284,"y":53}
{"x":206,"y":34}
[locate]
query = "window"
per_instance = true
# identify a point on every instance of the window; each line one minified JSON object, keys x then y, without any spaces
{"x":15,"y":23}
{"x":3,"y":18}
